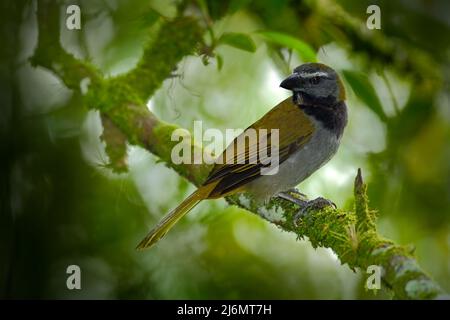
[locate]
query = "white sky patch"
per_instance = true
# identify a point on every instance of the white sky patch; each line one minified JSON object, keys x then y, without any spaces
{"x":84,"y":85}
{"x":271,"y":90}
{"x":151,"y":105}
{"x":338,"y":176}
{"x":365,"y":130}
{"x":122,"y":66}
{"x":41,"y":90}
{"x":335,"y":56}
{"x":99,"y":32}
{"x":149,"y":176}
{"x":28,"y":31}
{"x":92,"y":148}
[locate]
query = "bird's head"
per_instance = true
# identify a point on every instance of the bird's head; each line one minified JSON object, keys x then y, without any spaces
{"x":314,"y":83}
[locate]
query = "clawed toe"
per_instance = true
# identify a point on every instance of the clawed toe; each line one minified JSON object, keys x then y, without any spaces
{"x":294,"y":197}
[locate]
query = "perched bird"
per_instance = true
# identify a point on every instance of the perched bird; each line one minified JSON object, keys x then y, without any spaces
{"x":310,"y":124}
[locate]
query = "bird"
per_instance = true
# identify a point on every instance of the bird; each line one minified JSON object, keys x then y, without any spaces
{"x":310,"y":126}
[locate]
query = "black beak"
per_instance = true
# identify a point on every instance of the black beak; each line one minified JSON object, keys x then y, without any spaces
{"x":291,"y":82}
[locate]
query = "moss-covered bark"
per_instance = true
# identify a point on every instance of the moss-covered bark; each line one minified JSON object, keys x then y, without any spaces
{"x":352,"y":235}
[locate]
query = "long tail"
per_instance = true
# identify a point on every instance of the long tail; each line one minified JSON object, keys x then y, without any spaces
{"x":172,"y":218}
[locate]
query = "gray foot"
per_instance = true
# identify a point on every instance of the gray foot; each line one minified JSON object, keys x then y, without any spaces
{"x":294,"y":196}
{"x":318,"y":203}
{"x":301,"y":200}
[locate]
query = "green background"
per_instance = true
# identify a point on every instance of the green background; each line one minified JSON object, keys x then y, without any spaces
{"x":62,"y":206}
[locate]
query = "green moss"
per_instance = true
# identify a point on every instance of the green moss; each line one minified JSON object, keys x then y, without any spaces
{"x":163,"y":134}
{"x":108,"y":95}
{"x":116,"y":147}
{"x":196,"y":173}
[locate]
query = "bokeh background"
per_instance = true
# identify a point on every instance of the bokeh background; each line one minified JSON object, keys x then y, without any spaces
{"x":60,"y":205}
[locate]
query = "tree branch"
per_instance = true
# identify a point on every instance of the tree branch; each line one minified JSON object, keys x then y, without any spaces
{"x":50,"y":54}
{"x":351,"y":235}
{"x":176,"y":39}
{"x":116,"y":145}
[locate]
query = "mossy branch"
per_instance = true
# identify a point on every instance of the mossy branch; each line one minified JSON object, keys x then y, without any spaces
{"x":50,"y":54}
{"x":116,"y":145}
{"x":351,"y":235}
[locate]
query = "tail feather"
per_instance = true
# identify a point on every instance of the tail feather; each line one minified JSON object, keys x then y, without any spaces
{"x":172,"y":218}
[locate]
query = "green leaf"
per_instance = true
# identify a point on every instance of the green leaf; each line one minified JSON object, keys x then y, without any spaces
{"x":236,"y":5}
{"x":219,"y":60}
{"x":148,"y":18}
{"x":361,"y":86}
{"x":203,"y":7}
{"x":305,"y":51}
{"x":238,"y":40}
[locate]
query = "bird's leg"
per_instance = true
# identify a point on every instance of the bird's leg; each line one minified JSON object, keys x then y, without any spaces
{"x":305,"y":205}
{"x":292,"y":195}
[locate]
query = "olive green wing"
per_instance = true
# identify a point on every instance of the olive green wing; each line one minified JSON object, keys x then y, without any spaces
{"x":242,"y":162}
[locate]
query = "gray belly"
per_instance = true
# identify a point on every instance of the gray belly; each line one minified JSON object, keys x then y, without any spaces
{"x":299,"y":166}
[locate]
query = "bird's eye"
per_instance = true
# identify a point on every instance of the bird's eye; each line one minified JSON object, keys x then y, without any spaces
{"x":315,"y":80}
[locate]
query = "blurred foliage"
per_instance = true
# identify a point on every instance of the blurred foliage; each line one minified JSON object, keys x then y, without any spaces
{"x":60,"y":205}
